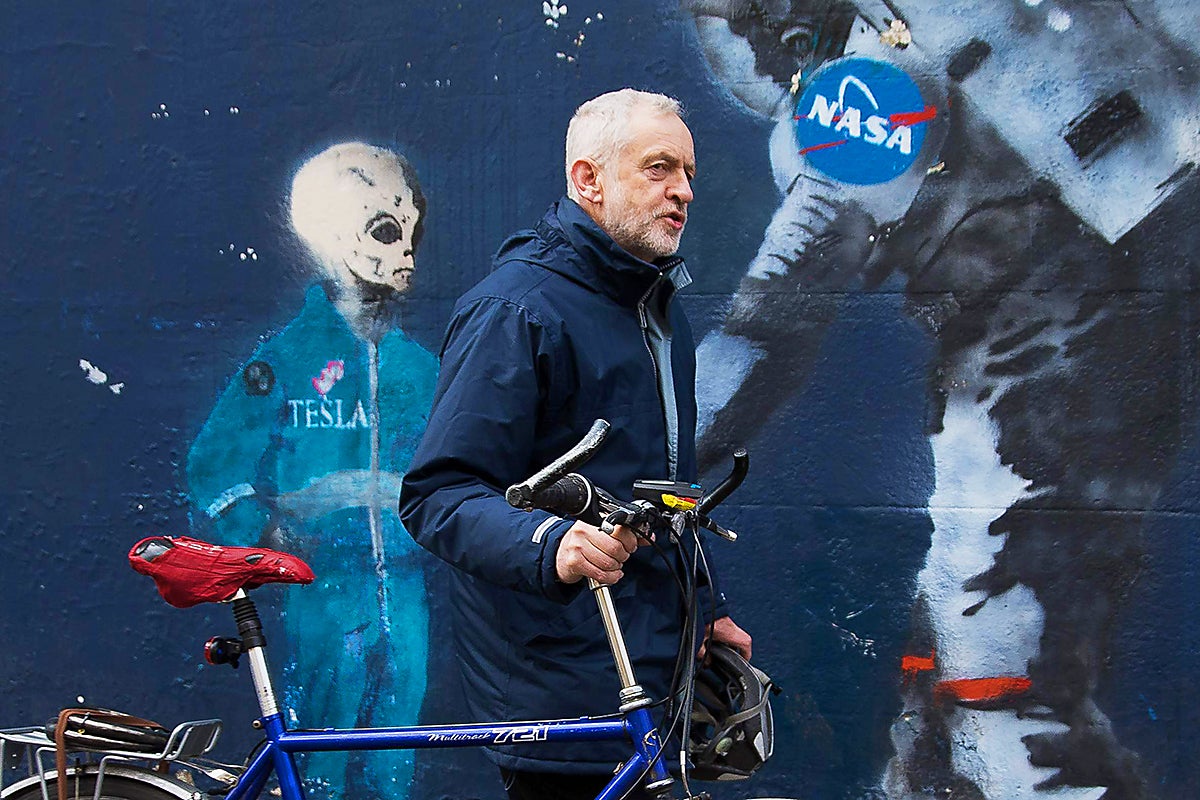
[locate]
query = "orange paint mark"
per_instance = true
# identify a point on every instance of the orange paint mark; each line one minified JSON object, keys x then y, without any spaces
{"x":913,"y":117}
{"x":822,"y":146}
{"x":912,"y":666}
{"x":983,"y":692}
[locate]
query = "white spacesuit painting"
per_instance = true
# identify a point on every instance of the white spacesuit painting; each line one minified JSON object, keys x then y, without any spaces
{"x":1042,"y":139}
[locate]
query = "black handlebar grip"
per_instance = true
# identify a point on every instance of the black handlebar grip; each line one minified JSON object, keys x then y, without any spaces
{"x":569,"y":496}
{"x":521,"y":495}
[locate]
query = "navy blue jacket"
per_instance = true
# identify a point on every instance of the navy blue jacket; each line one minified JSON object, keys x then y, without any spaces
{"x":563,"y":331}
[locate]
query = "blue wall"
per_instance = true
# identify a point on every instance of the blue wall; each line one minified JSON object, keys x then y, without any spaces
{"x":1006,"y":285}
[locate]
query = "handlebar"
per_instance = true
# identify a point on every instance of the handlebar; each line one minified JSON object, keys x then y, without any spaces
{"x":741,"y":465}
{"x":521,"y":495}
{"x":558,"y":490}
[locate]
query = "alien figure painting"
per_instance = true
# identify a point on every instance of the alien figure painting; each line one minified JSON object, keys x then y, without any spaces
{"x":306,"y":449}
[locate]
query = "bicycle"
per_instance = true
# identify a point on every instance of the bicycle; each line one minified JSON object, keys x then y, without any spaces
{"x":122,"y":761}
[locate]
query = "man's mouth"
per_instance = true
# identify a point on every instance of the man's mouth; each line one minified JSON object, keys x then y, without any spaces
{"x":676,"y":219}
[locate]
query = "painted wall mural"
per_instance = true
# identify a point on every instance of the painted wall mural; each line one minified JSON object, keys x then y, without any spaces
{"x":1056,"y":411}
{"x":946,"y":270}
{"x":305,"y":451}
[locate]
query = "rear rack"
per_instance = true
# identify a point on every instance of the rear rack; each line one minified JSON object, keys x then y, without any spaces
{"x":29,"y":750}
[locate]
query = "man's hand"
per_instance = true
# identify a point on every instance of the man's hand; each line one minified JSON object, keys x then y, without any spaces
{"x":587,"y":552}
{"x":726,"y":631}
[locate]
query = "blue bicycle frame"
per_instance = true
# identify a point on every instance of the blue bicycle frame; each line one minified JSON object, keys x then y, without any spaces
{"x":282,"y":744}
{"x":634,"y":725}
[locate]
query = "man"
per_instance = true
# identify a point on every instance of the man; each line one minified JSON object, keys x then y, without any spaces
{"x":578,"y":321}
{"x":307,"y":442}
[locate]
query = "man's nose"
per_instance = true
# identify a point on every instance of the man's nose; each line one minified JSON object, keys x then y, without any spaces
{"x":680,"y":189}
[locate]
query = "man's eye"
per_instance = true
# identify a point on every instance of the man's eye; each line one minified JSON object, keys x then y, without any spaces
{"x":386,"y":231}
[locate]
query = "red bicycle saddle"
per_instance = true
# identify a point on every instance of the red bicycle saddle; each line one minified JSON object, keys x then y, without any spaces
{"x":189,"y":572}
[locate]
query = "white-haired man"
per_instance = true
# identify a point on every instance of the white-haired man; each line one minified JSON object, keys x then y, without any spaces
{"x":578,"y":320}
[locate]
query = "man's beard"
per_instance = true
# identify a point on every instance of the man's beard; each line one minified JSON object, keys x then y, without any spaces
{"x":637,"y":233}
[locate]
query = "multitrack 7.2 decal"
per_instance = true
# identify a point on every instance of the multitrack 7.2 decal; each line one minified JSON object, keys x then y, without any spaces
{"x":534,"y":733}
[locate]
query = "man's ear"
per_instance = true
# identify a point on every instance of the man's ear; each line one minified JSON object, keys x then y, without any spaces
{"x":585,"y":174}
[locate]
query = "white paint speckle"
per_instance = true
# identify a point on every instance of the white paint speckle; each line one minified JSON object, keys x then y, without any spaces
{"x":552,"y":11}
{"x":92,"y":373}
{"x":1058,"y":20}
{"x":234,"y":110}
{"x":897,"y":35}
{"x":80,"y":700}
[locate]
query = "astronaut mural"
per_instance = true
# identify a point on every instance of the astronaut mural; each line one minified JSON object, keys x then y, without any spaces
{"x":306,"y":449}
{"x":1002,"y":162}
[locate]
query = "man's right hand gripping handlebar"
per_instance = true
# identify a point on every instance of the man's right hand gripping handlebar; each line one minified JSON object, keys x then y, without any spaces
{"x":607,"y":530}
{"x":588,"y":552}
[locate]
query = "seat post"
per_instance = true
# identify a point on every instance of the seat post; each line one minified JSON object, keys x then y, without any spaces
{"x":254,"y":647}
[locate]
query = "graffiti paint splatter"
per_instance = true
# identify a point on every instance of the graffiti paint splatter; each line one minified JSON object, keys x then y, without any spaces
{"x":98,"y":376}
{"x":333,"y":372}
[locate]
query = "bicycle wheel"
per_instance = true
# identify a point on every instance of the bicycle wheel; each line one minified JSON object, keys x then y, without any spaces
{"x":119,"y":784}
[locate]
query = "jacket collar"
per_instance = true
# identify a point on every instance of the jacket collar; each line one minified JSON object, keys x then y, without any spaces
{"x":585,"y":253}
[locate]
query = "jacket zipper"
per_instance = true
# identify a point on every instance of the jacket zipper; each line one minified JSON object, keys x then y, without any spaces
{"x":643,"y":318}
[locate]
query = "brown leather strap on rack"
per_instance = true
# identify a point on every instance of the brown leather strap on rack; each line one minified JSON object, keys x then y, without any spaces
{"x":60,"y":731}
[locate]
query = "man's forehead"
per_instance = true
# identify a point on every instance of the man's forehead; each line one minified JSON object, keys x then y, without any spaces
{"x":659,"y":133}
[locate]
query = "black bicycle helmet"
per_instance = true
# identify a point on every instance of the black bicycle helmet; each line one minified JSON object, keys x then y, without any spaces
{"x":732,"y":732}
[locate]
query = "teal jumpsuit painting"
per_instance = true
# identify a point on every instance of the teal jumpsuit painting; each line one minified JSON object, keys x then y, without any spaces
{"x":305,"y":451}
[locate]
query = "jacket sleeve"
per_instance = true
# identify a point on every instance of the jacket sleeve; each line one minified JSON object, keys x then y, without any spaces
{"x":223,"y":466}
{"x":497,"y":362}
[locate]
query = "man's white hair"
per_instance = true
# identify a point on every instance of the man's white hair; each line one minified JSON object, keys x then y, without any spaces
{"x":600,"y":126}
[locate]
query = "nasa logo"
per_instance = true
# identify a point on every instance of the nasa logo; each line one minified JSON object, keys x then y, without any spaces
{"x":861,"y":121}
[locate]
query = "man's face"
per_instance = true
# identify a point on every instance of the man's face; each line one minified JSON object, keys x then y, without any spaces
{"x":647,"y":187}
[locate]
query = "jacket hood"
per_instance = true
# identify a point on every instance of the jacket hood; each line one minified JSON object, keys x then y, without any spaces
{"x":585,"y":253}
